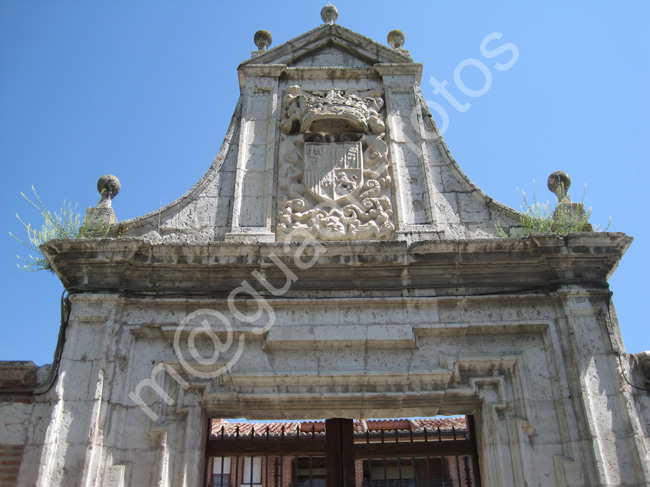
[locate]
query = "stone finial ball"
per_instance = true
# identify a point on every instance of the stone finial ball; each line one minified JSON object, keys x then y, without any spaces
{"x":396,"y":39}
{"x":329,"y":14}
{"x":108,"y":184}
{"x":262,"y":39}
{"x":559,"y":182}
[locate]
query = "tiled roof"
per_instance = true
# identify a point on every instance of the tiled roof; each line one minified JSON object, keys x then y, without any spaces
{"x":260,"y":429}
{"x":275,"y":429}
{"x":414,"y":425}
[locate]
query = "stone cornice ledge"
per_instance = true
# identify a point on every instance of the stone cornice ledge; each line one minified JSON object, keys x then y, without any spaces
{"x":410,"y":69}
{"x":259,"y":71}
{"x":140,"y":265}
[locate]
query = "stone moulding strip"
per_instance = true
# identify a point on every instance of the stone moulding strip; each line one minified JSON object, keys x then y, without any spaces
{"x":260,"y":70}
{"x":111,"y":264}
{"x":205,"y":299}
{"x":481,"y":328}
{"x":286,"y":380}
{"x":251,"y":397}
{"x":304,"y":405}
{"x":592,"y":244}
{"x":324,"y":72}
{"x":169,"y":331}
{"x":431,"y":328}
{"x":414,"y":69}
{"x":319,"y":337}
{"x":499,"y":382}
{"x":346,"y":335}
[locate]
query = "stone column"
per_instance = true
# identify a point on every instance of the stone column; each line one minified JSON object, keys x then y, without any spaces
{"x":252,"y":212}
{"x":415,"y":179}
{"x":610,"y":430}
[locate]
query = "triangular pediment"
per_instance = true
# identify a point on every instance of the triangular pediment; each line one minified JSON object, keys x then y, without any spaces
{"x":330,"y":45}
{"x":331,"y":54}
{"x":313,"y":149}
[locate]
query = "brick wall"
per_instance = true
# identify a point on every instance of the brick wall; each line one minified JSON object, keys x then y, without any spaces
{"x":288,"y":470}
{"x":280,"y":469}
{"x":456,"y":466}
{"x":15,"y":410}
{"x":10,"y":458}
{"x":358,"y":472}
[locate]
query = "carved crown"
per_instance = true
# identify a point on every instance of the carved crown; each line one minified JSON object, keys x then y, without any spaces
{"x":324,"y":106}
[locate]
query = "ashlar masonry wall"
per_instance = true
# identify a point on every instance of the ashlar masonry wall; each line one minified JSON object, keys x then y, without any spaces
{"x":539,"y":371}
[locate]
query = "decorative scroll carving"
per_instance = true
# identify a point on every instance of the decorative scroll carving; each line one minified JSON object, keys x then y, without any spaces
{"x":334,"y":177}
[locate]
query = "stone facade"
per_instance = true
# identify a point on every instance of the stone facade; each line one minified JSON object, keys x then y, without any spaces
{"x":334,"y":261}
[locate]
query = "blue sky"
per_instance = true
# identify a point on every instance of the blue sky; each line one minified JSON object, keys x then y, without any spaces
{"x":145,"y":90}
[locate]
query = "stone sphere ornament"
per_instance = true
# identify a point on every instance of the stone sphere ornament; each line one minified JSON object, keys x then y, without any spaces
{"x":396,"y":39}
{"x":263,"y":39}
{"x":109,"y":185}
{"x":329,"y":14}
{"x":559,"y":183}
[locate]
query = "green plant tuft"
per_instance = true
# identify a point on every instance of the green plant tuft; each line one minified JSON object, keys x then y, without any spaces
{"x":65,"y":224}
{"x":539,"y":217}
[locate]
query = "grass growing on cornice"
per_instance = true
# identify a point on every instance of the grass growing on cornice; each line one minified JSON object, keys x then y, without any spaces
{"x":66,"y":224}
{"x":540,"y":217}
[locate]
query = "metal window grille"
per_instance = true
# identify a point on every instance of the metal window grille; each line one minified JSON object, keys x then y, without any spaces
{"x":387,"y":454}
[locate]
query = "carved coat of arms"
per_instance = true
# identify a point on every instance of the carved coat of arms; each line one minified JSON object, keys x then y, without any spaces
{"x":334,"y":178}
{"x":333,"y":171}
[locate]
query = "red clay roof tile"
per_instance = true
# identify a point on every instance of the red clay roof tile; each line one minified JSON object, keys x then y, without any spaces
{"x":275,"y":429}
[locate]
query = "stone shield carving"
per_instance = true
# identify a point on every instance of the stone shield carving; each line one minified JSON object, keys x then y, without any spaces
{"x":333,"y":171}
{"x":334,"y":179}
